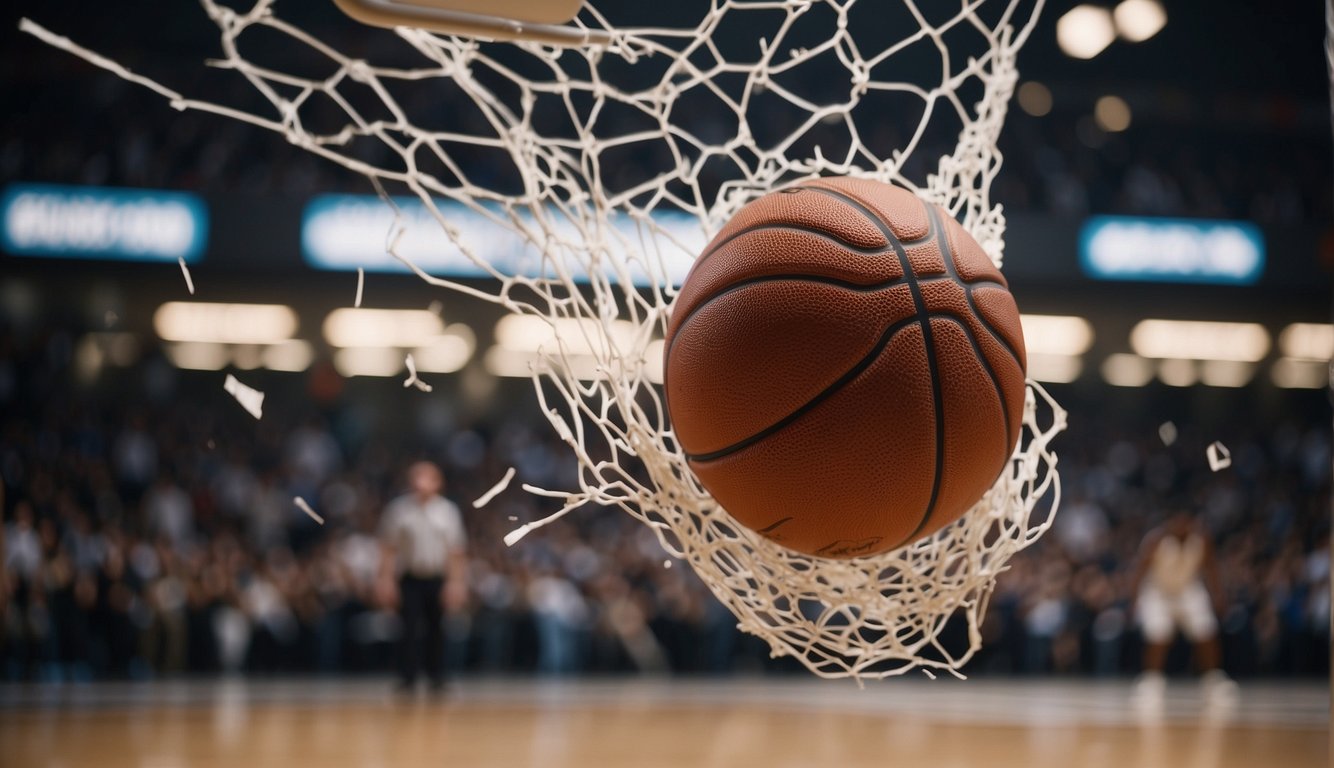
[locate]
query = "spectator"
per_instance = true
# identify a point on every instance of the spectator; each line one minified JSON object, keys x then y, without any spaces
{"x":1177,"y":587}
{"x":424,"y":542}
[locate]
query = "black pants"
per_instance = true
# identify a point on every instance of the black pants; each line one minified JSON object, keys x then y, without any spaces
{"x":423,"y":638}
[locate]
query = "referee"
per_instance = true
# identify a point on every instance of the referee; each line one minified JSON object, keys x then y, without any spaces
{"x":423,"y":542}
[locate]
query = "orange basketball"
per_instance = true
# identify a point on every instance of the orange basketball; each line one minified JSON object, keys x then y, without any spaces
{"x":845,"y":368}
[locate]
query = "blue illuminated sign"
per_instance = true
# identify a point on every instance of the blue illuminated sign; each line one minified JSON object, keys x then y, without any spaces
{"x":102,"y":223}
{"x":1172,"y":250}
{"x":347,"y":232}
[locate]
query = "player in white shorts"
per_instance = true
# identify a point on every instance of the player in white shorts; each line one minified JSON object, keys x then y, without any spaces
{"x":1176,"y":576}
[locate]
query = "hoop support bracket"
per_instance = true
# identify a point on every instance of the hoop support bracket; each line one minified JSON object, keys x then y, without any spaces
{"x":393,"y":13}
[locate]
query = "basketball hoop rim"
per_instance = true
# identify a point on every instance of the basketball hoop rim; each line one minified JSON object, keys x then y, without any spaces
{"x":392,"y":13}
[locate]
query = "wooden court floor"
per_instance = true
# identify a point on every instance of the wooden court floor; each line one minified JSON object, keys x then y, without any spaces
{"x":727,"y":724}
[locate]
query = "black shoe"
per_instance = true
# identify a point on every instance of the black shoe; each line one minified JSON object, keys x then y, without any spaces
{"x":405,"y":687}
{"x":437,"y":688}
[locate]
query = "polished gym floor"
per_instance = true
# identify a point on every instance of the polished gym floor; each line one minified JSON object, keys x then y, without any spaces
{"x":723,"y":723}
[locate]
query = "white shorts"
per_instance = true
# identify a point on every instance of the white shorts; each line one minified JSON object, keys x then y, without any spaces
{"x":1161,"y":614}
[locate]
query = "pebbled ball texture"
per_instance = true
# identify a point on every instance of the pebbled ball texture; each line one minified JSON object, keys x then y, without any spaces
{"x":845,"y":368}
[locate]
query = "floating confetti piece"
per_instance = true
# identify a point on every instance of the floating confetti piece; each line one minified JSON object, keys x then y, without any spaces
{"x":304,"y":507}
{"x":666,"y":563}
{"x":413,"y":381}
{"x":1219,"y":456}
{"x":514,"y":518}
{"x":361,"y":282}
{"x":495,"y":491}
{"x":250,"y":399}
{"x":189,"y":282}
{"x":1167,"y":432}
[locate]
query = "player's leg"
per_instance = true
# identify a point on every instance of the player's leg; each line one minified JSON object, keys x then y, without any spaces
{"x":410,"y":610}
{"x":434,"y":638}
{"x":1197,"y":620}
{"x":1157,"y":628}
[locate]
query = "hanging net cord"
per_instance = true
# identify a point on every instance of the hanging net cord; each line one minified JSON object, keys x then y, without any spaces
{"x":610,"y":166}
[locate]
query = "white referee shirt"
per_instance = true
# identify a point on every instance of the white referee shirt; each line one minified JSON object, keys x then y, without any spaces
{"x":423,"y":533}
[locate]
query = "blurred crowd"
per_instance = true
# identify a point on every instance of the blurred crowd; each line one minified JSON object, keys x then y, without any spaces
{"x":150,"y":529}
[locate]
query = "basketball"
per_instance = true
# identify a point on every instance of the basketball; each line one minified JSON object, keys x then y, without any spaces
{"x":844,"y":368}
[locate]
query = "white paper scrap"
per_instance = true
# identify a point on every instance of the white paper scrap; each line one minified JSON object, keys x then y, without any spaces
{"x":189,"y":282}
{"x":1219,"y":456}
{"x":304,"y":507}
{"x":250,"y":399}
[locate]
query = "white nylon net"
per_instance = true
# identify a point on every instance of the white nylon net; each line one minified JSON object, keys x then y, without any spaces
{"x":604,"y":170}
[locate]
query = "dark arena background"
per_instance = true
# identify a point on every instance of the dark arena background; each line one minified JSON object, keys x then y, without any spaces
{"x":163,"y":602}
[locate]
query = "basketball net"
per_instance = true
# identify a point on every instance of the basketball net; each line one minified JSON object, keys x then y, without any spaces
{"x":715,"y":114}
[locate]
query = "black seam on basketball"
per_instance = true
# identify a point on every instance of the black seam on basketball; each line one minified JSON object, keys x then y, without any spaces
{"x":986,"y":366}
{"x":709,"y":456}
{"x":818,"y":279}
{"x":937,"y":400}
{"x":948,"y":255}
{"x":852,"y":373}
{"x":830,"y":281}
{"x":875,"y":218}
{"x":981,"y":318}
{"x":928,"y":340}
{"x":786,"y":226}
{"x":952,"y":267}
{"x":775,"y":526}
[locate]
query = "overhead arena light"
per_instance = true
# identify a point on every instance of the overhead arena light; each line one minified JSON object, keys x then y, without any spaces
{"x":368,"y":361}
{"x":1307,"y":341}
{"x":1291,"y":373}
{"x":1139,"y":20}
{"x":448,"y":353}
{"x":1178,"y":372}
{"x":1054,"y":369}
{"x":1200,"y":340}
{"x":653,"y":361}
{"x":526,"y":333}
{"x":1112,"y":114}
{"x":512,"y":363}
{"x":1125,"y":370}
{"x":1226,"y":373}
{"x":99,"y":349}
{"x":1056,"y":334}
{"x":225,"y":323}
{"x":115,"y":348}
{"x":1085,"y":31}
{"x":400,"y":328}
{"x":198,"y":355}
{"x":293,"y":356}
{"x":1034,"y":98}
{"x":247,"y":357}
